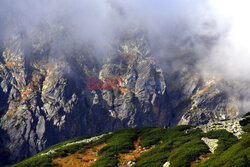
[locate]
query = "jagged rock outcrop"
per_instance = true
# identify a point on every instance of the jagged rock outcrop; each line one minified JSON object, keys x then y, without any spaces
{"x":44,"y":95}
{"x":233,"y":126}
{"x":199,"y":98}
{"x":139,"y":100}
{"x":45,"y":99}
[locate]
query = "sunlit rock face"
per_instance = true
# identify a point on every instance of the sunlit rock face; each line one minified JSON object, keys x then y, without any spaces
{"x":139,"y":100}
{"x":202,"y":97}
{"x":45,"y":97}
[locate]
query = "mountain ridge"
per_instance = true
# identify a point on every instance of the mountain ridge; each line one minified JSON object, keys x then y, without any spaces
{"x":154,"y":146}
{"x":44,"y":96}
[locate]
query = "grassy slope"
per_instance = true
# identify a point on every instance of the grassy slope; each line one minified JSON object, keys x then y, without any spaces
{"x":176,"y":144}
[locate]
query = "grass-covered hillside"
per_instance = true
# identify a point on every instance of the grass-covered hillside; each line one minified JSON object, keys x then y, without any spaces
{"x":150,"y":147}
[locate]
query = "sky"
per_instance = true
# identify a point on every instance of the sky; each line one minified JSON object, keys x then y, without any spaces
{"x":232,"y":51}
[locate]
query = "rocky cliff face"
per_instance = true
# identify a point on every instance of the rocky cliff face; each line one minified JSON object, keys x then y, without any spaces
{"x":198,"y":98}
{"x":44,"y":97}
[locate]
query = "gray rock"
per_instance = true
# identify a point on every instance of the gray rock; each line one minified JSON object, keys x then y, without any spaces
{"x":167,"y":164}
{"x":40,"y":128}
{"x":211,"y":143}
{"x":44,"y":99}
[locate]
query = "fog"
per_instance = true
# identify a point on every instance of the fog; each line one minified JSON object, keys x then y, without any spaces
{"x":216,"y":32}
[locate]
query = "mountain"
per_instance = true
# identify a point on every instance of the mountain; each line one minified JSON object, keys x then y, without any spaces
{"x":49,"y":89}
{"x":224,"y":143}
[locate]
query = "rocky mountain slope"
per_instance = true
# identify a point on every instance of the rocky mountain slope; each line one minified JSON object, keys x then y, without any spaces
{"x":45,"y":98}
{"x":178,"y":146}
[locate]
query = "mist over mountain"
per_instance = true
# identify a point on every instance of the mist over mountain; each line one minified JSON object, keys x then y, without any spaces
{"x":216,"y":31}
{"x":180,"y":62}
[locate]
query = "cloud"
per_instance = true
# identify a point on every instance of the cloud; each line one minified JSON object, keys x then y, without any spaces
{"x":215,"y":33}
{"x":231,"y":55}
